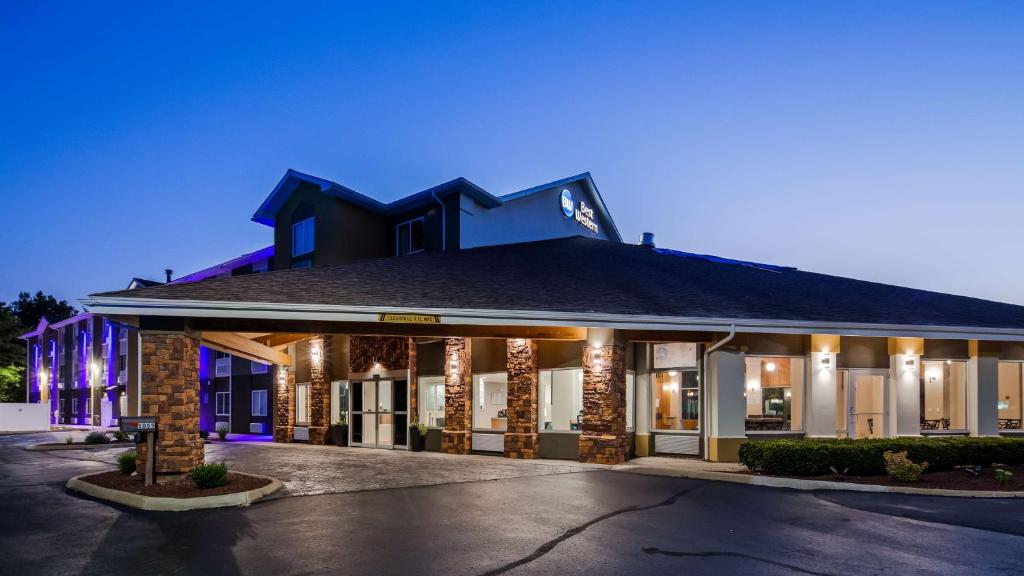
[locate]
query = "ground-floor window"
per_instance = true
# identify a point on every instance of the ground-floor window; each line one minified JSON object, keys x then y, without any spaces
{"x":774,"y":393}
{"x":560,"y":400}
{"x":675,"y":396}
{"x":490,"y":402}
{"x":88,"y":405}
{"x":302,"y":403}
{"x":630,"y":394}
{"x":943,"y":395}
{"x":431,"y":405}
{"x":74,"y":405}
{"x":1009,"y":402}
{"x":223,"y":403}
{"x":259,"y":402}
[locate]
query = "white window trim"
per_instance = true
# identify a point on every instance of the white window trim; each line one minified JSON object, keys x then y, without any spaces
{"x":217,"y":405}
{"x":651,"y":407}
{"x":306,"y":409}
{"x":261,"y":403}
{"x":398,"y":227}
{"x":540,"y":401}
{"x":803,"y":409}
{"x":312,"y":247}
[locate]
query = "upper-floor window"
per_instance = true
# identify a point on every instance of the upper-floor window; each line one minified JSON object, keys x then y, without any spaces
{"x":409,"y":237}
{"x":302,"y":237}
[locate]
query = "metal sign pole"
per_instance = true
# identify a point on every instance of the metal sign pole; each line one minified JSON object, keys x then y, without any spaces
{"x":149,"y":458}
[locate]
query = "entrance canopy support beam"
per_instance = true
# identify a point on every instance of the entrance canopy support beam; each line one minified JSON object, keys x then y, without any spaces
{"x":300,"y":329}
{"x":239,"y":345}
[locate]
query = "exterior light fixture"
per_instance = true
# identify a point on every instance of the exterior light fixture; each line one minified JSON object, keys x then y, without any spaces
{"x":282,"y":376}
{"x":826,"y":360}
{"x":43,"y":377}
{"x":316,"y":352}
{"x":770,"y":366}
{"x":453,"y":363}
{"x":598,"y":356}
{"x":377,"y":368}
{"x":519,"y":342}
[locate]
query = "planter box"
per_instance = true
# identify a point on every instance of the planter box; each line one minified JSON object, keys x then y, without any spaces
{"x":340,"y":434}
{"x":416,"y":442}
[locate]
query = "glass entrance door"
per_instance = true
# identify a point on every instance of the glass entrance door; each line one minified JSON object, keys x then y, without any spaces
{"x":866,"y":404}
{"x":373,"y":423}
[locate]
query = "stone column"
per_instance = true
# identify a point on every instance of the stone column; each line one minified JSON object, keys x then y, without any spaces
{"x":170,"y":391}
{"x":458,"y":397}
{"x":413,"y":382}
{"x":319,"y":390}
{"x":603,"y":437}
{"x":521,"y":440}
{"x":284,"y":404}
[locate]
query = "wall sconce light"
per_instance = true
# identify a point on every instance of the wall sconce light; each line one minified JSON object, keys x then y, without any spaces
{"x":453,"y":363}
{"x":910,"y":362}
{"x":598,"y":356}
{"x":377,"y":368}
{"x":43,"y":377}
{"x":826,"y":361}
{"x":282,"y":376}
{"x":316,"y":352}
{"x":519,"y":342}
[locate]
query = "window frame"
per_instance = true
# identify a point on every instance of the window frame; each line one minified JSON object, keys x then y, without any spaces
{"x":398,"y":236}
{"x":540,"y":400}
{"x":311,"y":220}
{"x":1019,"y":365}
{"x":803,"y":396}
{"x":472,"y":415}
{"x":263,"y":403}
{"x":304,"y":422}
{"x":922,"y":382}
{"x":421,"y":391}
{"x":217,"y":404}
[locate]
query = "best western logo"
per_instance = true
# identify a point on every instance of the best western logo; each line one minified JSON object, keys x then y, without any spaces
{"x":582,"y":213}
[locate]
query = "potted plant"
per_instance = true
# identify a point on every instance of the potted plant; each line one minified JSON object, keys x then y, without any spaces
{"x":417,"y":436}
{"x":341,"y":431}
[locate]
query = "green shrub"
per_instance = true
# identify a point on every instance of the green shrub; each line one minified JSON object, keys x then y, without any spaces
{"x":902,"y":468}
{"x":816,"y":457}
{"x":420,"y":427}
{"x":126,"y":462}
{"x":210,"y":475}
{"x":222,"y":431}
{"x":121,"y":436}
{"x":1004,"y":476}
{"x":204,"y":434}
{"x":97,"y":438}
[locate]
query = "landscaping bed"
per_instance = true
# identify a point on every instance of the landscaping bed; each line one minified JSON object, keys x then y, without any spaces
{"x":182,"y":487}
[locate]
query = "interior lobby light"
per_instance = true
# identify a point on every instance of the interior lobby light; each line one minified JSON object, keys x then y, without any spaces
{"x":770,"y":366}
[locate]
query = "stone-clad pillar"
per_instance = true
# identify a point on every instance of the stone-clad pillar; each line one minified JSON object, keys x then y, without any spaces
{"x":521,"y":437}
{"x":319,"y":390}
{"x":603,"y":437}
{"x":170,"y":391}
{"x":284,"y":404}
{"x":458,"y":397}
{"x":414,"y":415}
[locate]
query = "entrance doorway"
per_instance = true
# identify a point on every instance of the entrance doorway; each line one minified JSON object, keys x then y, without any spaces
{"x":866,"y":403}
{"x":379,"y":414}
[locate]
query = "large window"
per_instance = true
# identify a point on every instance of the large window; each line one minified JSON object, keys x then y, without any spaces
{"x":774,"y":392}
{"x":1009,"y":402}
{"x":409,"y":237}
{"x":302,"y":237}
{"x":490,"y":402}
{"x":675,"y":388}
{"x":302,"y":404}
{"x":561,"y":400}
{"x":259,"y":402}
{"x":943,"y":395}
{"x":223,"y":403}
{"x":630,"y":394}
{"x":431,"y":390}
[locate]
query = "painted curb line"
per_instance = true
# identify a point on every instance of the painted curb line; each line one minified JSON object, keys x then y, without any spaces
{"x":801,"y":484}
{"x":173,"y":504}
{"x":47,"y":447}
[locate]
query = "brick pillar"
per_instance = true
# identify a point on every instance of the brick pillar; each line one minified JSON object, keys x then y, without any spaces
{"x":521,"y":439}
{"x":284,"y":405}
{"x":603,"y":437}
{"x":413,"y":384}
{"x":170,"y":391}
{"x":458,"y":397}
{"x":319,"y":391}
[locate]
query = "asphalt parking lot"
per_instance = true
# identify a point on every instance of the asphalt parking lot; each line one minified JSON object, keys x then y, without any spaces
{"x":484,"y":515}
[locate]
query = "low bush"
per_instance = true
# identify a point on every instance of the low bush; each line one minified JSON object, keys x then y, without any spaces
{"x":210,"y":475}
{"x":222,"y":431}
{"x":204,"y":434}
{"x":126,"y":462}
{"x":816,"y":457}
{"x":121,"y":436}
{"x":903,"y":469}
{"x":1004,"y":476}
{"x":97,"y":438}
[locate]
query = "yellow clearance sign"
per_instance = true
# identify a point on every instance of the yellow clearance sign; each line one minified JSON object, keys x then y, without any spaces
{"x":409,"y":318}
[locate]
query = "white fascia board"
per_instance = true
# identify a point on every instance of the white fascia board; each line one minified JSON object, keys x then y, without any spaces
{"x":454,"y":316}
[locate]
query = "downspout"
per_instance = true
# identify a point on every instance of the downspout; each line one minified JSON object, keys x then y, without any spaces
{"x":706,"y":382}
{"x":444,"y":221}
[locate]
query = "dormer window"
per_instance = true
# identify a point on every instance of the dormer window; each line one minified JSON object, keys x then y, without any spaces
{"x":302,"y":237}
{"x":409,"y":237}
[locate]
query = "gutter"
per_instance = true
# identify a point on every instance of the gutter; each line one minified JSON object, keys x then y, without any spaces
{"x":705,"y":382}
{"x":444,"y":221}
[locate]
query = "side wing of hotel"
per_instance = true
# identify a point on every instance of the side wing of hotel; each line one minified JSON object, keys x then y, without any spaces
{"x":520,"y":325}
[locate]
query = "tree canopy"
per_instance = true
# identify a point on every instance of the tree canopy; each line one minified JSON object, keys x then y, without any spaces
{"x":17,"y":318}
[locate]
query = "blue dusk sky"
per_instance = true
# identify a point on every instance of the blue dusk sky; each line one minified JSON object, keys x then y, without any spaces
{"x":881,"y":141}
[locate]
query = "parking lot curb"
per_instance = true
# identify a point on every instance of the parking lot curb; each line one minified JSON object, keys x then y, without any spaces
{"x":809,"y":485}
{"x":141,"y":502}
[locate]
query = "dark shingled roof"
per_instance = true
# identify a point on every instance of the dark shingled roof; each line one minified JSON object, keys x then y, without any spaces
{"x":587,"y":275}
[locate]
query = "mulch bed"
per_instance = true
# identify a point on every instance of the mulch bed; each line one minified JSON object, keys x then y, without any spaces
{"x":946,"y":480}
{"x":177,"y":488}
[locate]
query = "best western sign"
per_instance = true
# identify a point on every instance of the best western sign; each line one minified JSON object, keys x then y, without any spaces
{"x":583,"y":214}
